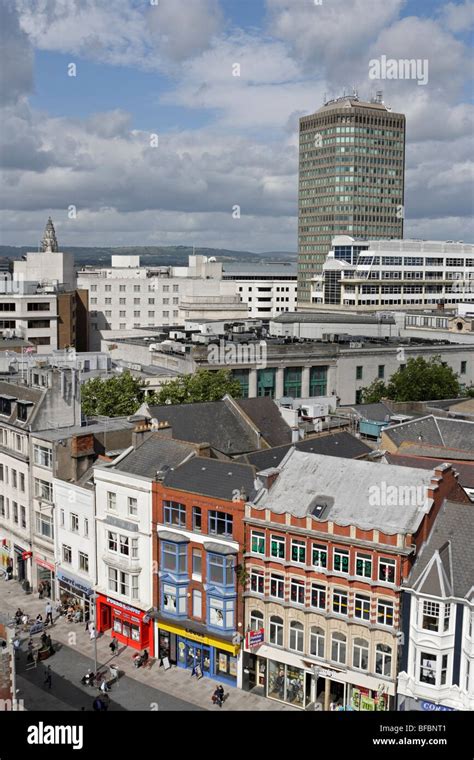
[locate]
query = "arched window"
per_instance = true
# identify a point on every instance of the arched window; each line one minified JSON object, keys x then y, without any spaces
{"x":276,"y":630}
{"x":383,"y":660}
{"x":296,"y":637}
{"x":360,"y":654}
{"x":316,"y":641}
{"x":256,"y":620}
{"x":338,"y":648}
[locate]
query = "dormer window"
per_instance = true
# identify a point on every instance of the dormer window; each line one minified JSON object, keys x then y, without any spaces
{"x":6,"y":405}
{"x":22,"y":410}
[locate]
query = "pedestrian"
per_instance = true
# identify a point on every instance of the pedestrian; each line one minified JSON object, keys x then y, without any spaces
{"x":47,"y":679}
{"x":9,"y":571}
{"x":87,"y":622}
{"x":16,"y":647}
{"x":113,"y":646}
{"x":40,"y":590}
{"x":49,"y":613}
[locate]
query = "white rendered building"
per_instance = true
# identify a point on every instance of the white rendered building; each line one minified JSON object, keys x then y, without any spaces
{"x":400,"y":274}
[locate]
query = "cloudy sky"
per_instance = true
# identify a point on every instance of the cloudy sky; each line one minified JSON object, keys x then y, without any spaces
{"x":155,"y":138}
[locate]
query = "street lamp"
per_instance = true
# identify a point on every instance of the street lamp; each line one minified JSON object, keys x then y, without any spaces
{"x":92,"y":599}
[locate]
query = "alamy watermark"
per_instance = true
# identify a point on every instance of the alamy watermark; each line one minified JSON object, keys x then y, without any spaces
{"x":401,"y":68}
{"x":238,"y":353}
{"x":384,"y":495}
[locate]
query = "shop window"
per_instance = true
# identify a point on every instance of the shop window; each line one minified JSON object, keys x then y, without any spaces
{"x":298,"y":551}
{"x":256,"y":620}
{"x":221,"y":613}
{"x":338,"y":648}
{"x":225,"y":665}
{"x":257,"y":542}
{"x":360,"y":654}
{"x":286,"y":683}
{"x":384,"y":612}
{"x":297,"y":591}
{"x":220,"y":523}
{"x":339,"y":602}
{"x":316,"y":642}
{"x":320,"y":556}
{"x":174,"y":514}
{"x":341,"y":560}
{"x":383,"y":660}
{"x":174,"y":557}
{"x":220,"y":570}
{"x":257,"y":581}
{"x":363,"y":565}
{"x":277,"y":547}
{"x":277,"y":586}
{"x":197,"y":519}
{"x":362,"y":607}
{"x":318,"y":596}
{"x":387,"y":570}
{"x":296,"y":643}
{"x":173,"y":599}
{"x":276,"y":630}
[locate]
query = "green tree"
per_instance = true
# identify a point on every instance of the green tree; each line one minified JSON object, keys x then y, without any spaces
{"x":374,"y":392}
{"x":116,"y":396}
{"x":419,"y":380}
{"x":203,"y":385}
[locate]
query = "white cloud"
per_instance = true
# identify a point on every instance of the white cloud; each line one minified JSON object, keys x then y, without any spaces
{"x":458,"y":17}
{"x":16,"y":68}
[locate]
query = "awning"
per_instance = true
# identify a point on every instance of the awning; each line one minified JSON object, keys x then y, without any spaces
{"x":198,"y":637}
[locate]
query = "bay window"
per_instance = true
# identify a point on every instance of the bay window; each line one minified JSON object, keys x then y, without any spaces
{"x":221,"y":613}
{"x":174,"y":599}
{"x":220,"y":570}
{"x":174,"y":557}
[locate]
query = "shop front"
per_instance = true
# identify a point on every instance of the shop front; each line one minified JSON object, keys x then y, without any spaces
{"x":5,"y":553}
{"x":45,"y":577}
{"x":73,"y":591}
{"x":213,"y":658}
{"x":406,"y":703}
{"x":130,"y":626}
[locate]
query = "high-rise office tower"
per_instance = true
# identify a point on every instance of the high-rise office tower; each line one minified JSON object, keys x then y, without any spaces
{"x":351,"y":179}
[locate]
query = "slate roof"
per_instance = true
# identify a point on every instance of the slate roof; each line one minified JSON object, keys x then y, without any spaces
{"x":154,"y":454}
{"x":22,"y":393}
{"x":336,"y":445}
{"x":212,"y":477}
{"x":464,"y":469}
{"x":378,"y":412}
{"x":210,"y":422}
{"x":346,"y":486}
{"x":265,"y":414}
{"x":445,"y":565}
{"x":434,"y":431}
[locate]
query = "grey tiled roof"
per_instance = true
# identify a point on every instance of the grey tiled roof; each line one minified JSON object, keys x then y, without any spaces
{"x":265,"y":414}
{"x":464,"y":469}
{"x":378,"y":412}
{"x":449,"y":549}
{"x":347,"y":487}
{"x":435,"y":431}
{"x":210,"y":422}
{"x":153,"y":455}
{"x":337,"y":445}
{"x":212,"y":477}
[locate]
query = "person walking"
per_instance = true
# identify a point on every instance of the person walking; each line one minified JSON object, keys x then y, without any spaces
{"x":49,"y":613}
{"x":92,"y":631}
{"x":48,"y":679}
{"x":113,"y":646}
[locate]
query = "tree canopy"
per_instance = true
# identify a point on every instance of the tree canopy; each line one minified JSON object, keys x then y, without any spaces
{"x":418,"y":380}
{"x":116,"y":396}
{"x":203,"y":385}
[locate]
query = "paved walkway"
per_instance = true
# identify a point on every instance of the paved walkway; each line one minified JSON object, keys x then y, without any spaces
{"x":176,"y":682}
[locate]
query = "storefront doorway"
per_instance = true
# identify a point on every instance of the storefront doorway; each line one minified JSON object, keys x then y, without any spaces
{"x":130,"y":626}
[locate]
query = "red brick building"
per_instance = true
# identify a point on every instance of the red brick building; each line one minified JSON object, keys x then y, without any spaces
{"x":198,"y":513}
{"x":328,"y":544}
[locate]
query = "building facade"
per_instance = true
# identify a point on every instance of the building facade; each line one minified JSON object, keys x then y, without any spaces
{"x":323,"y":593}
{"x":400,"y":274}
{"x":267,"y":289}
{"x":351,"y":179}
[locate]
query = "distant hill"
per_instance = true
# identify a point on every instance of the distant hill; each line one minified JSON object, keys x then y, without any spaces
{"x":175,"y":255}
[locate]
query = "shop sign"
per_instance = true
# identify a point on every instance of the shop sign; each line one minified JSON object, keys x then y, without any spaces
{"x":431,"y":707}
{"x":61,"y":576}
{"x":43,"y":563}
{"x":26,"y":555}
{"x":255,"y":638}
{"x":122,"y":605}
{"x":326,"y":673}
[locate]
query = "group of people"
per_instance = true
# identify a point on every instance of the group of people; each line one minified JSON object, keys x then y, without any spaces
{"x":44,"y":589}
{"x":218,"y":696}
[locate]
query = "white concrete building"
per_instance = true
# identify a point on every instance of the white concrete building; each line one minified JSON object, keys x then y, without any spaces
{"x":400,"y":274}
{"x":74,"y":540}
{"x":436,"y":671}
{"x":267,"y":289}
